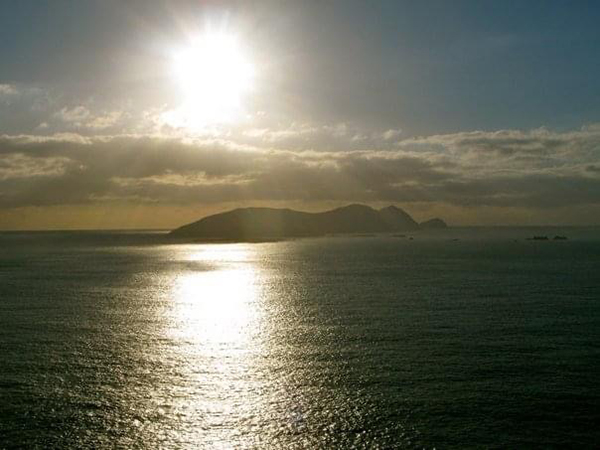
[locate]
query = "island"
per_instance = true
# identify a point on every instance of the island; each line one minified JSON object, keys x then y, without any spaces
{"x":255,"y":224}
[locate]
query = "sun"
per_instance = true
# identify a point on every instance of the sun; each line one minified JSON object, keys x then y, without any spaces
{"x":213,"y":74}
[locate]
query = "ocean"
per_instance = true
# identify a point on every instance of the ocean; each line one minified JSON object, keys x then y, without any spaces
{"x":461,"y":338}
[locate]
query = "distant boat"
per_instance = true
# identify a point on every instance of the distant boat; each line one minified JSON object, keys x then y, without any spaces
{"x":560,"y":238}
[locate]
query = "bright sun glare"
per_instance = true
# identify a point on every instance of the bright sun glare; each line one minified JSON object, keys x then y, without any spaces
{"x":213,"y":74}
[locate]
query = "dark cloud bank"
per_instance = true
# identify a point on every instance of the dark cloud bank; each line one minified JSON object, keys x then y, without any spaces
{"x":537,"y":169}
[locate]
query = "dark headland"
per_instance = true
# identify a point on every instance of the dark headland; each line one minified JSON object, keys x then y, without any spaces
{"x":246,"y":224}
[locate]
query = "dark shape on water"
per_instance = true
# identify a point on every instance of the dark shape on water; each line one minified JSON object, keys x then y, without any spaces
{"x":545,"y":238}
{"x":269,"y":223}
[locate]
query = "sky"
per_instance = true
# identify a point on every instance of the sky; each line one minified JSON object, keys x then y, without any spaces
{"x":152,"y":114}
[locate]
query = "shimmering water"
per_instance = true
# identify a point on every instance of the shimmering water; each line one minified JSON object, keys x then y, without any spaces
{"x":114,"y":340}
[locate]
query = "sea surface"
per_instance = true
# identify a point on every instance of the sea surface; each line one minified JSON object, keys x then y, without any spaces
{"x":464,"y":338}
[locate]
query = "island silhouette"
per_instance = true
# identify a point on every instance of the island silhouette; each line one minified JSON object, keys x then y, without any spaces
{"x":244,"y":224}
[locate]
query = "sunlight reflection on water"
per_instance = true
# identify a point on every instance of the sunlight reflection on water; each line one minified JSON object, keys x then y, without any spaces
{"x":216,"y":306}
{"x":216,"y":321}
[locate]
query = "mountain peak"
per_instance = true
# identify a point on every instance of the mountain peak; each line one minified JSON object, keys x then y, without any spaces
{"x":433,"y":224}
{"x":391,"y":208}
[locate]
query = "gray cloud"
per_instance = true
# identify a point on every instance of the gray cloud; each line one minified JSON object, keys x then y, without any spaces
{"x":81,"y":117}
{"x":7,"y":90}
{"x":307,"y":136}
{"x":534,"y":169}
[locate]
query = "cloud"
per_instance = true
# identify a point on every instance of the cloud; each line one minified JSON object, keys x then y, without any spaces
{"x":391,"y":134}
{"x":19,"y":166}
{"x":76,"y":115}
{"x":81,"y":117}
{"x":510,"y":168}
{"x":7,"y":90}
{"x":307,"y":136}
{"x":8,"y":94}
{"x":106,"y":120}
